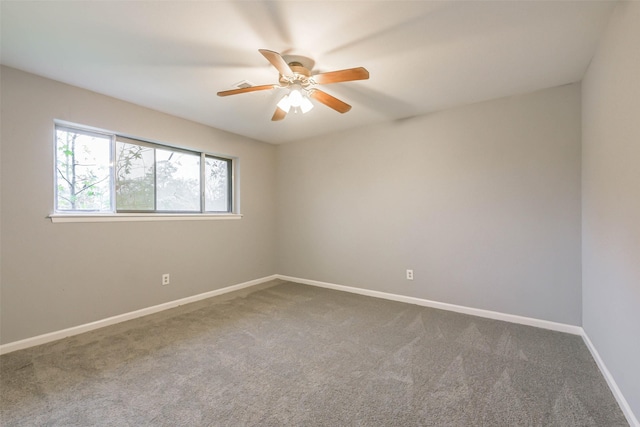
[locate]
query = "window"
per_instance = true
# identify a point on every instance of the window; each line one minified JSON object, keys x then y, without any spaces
{"x":108,"y":173}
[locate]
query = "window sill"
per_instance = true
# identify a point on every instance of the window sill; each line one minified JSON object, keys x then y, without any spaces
{"x":129,"y":217}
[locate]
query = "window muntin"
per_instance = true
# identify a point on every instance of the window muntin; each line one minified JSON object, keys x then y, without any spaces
{"x":144,"y":178}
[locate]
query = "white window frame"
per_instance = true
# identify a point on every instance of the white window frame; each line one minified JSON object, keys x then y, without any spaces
{"x":114,"y":215}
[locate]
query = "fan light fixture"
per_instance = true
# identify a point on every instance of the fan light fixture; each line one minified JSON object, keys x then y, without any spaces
{"x":297,"y":100}
{"x":295,"y":75}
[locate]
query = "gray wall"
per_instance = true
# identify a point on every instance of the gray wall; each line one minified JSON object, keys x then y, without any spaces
{"x":482,"y":202}
{"x":611,"y":200}
{"x":55,"y":276}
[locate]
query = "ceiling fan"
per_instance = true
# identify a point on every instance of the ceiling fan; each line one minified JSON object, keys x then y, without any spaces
{"x":295,"y":74}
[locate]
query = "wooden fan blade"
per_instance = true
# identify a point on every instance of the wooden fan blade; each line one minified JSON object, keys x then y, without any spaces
{"x":245,"y":90}
{"x":330,"y":101}
{"x":351,"y":74}
{"x":279,"y":114}
{"x":277,"y":61}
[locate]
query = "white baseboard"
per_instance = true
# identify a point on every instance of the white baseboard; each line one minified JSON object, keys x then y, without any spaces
{"x":545,"y":324}
{"x":75,"y":330}
{"x":622,"y":402}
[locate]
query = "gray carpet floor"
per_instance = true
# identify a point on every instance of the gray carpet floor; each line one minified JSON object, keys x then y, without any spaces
{"x":296,"y":355}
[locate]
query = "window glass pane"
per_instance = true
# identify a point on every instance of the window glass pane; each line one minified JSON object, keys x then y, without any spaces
{"x":178,"y":180}
{"x":134,"y":177}
{"x":82,"y":171}
{"x":216,"y":185}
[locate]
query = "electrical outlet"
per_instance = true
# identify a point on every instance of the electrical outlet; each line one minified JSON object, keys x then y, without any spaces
{"x":165,"y":279}
{"x":409,"y":274}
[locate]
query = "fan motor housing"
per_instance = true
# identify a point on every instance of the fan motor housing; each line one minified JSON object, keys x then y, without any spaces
{"x":298,"y":68}
{"x":304,"y":61}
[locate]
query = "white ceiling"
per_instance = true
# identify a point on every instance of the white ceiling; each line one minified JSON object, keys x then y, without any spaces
{"x":423,"y":56}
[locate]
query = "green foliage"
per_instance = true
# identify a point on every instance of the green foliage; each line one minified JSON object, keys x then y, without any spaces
{"x":82,"y":171}
{"x":216,"y":184}
{"x":144,"y":183}
{"x":134,"y":177}
{"x":146,"y":178}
